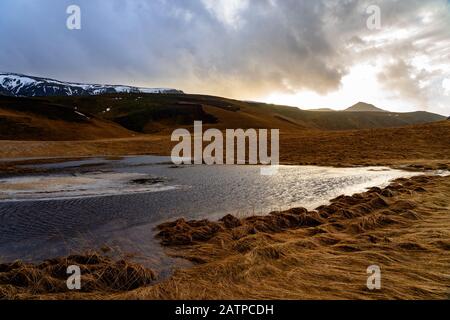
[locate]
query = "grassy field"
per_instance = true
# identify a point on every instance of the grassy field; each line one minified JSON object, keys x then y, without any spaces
{"x":426,"y":145}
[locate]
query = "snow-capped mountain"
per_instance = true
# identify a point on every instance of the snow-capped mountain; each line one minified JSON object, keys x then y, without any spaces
{"x":12,"y":84}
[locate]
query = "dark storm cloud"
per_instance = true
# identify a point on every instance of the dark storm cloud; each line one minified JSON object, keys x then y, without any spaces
{"x":118,"y":38}
{"x":269,"y":44}
{"x":240,"y":48}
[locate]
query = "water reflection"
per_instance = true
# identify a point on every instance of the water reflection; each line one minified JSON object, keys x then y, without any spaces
{"x":93,"y":202}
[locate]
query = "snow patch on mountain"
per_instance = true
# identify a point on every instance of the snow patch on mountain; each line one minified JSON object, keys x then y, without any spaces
{"x":13,"y":84}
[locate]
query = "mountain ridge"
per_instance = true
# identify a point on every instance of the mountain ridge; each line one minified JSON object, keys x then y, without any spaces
{"x":364,"y":107}
{"x":20,"y":85}
{"x":124,"y":115}
{"x":33,"y":108}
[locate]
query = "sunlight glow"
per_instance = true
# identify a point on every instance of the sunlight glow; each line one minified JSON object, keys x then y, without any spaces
{"x":359,"y":85}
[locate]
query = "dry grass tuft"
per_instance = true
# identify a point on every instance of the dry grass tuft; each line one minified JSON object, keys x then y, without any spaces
{"x":322,"y":254}
{"x":99,"y":275}
{"x":295,"y":254}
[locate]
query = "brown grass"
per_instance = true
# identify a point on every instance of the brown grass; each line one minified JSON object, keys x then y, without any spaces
{"x":405,"y":228}
{"x":294,"y":254}
{"x":427,"y":144}
{"x":320,"y":255}
{"x":421,"y":144}
{"x":26,"y":126}
{"x":100,"y":276}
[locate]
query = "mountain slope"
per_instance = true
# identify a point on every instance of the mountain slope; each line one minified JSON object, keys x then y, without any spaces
{"x":321,"y":109}
{"x":364,"y":107}
{"x":30,"y":119}
{"x":344,"y":120}
{"x":118,"y":115}
{"x":12,"y":84}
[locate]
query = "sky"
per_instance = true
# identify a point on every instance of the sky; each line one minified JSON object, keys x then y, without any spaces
{"x":305,"y":53}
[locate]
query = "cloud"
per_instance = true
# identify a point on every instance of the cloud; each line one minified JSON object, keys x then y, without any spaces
{"x":227,"y":11}
{"x":401,"y":78}
{"x":446,"y":86}
{"x":243,"y":49}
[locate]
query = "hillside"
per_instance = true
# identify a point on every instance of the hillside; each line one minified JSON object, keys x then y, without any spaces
{"x":345,"y":120}
{"x":30,"y":119}
{"x":121,"y":115}
{"x":153,"y":113}
{"x":321,"y":109}
{"x":364,"y":107}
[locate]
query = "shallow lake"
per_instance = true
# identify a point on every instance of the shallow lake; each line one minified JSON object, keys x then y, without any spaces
{"x":95,"y":202}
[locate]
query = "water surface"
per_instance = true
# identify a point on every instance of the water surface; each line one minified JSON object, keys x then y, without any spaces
{"x":95,"y":202}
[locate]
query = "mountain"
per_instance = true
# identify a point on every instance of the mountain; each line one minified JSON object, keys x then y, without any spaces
{"x":17,"y":85}
{"x":322,"y":109}
{"x":127,"y":114}
{"x":33,"y":108}
{"x":364,"y":107}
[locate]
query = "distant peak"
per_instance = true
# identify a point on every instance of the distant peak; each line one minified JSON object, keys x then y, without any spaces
{"x":364,"y":107}
{"x":322,"y":110}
